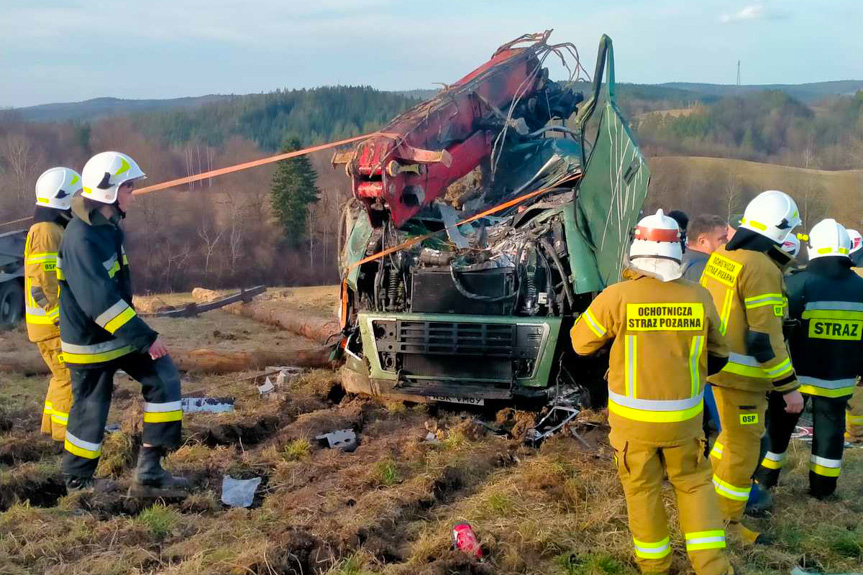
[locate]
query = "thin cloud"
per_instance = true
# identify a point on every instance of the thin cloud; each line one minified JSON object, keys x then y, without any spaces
{"x":751,"y":12}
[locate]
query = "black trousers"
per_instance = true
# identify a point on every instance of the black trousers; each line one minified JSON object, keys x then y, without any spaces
{"x":828,"y":443}
{"x":91,"y":390}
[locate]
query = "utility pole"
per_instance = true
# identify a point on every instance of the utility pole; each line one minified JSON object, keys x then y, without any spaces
{"x":738,"y":73}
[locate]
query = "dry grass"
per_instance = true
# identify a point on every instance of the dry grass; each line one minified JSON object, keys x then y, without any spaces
{"x":386,"y":508}
{"x":841,"y":188}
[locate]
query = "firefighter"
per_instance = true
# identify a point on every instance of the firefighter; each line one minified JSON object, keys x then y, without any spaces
{"x":745,"y":280}
{"x":779,"y":423}
{"x":665,"y":340}
{"x":827,"y":347}
{"x":854,"y":419}
{"x":54,"y":191}
{"x":101,"y":333}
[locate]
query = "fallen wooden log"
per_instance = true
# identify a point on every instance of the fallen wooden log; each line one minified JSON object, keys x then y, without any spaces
{"x":29,"y":362}
{"x":316,"y":328}
{"x":193,"y":309}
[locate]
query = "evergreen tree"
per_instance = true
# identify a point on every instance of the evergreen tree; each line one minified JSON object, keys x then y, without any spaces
{"x":294,"y":190}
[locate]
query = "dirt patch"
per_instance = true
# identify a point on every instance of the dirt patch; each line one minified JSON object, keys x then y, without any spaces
{"x":39,"y":491}
{"x":456,"y":563}
{"x":249,"y":431}
{"x":31,"y":447}
{"x":297,"y":552}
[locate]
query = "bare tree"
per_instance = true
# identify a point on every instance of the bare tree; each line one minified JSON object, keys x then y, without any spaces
{"x":211,"y":240}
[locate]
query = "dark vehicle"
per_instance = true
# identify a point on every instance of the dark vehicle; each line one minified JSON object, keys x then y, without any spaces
{"x":12,"y":278}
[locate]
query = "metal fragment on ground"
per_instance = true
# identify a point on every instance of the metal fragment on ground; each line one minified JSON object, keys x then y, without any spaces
{"x":207,"y":404}
{"x":239,"y":492}
{"x":344,"y":439}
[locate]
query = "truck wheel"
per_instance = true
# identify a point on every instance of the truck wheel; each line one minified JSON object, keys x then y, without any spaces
{"x":11,"y":303}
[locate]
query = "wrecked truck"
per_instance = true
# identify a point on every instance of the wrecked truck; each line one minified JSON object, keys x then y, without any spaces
{"x":482,"y":224}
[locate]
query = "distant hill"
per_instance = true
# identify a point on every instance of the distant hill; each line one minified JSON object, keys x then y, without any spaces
{"x":105,"y":107}
{"x":804,"y":92}
{"x":672,"y":94}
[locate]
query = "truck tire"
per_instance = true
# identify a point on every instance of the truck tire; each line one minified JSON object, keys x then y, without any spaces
{"x":11,"y":304}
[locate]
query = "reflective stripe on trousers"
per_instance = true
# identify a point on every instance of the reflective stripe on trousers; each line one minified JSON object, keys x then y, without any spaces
{"x":655,"y":550}
{"x":825,"y":467}
{"x":705,"y":540}
{"x":81,"y":448}
{"x":163,"y":412}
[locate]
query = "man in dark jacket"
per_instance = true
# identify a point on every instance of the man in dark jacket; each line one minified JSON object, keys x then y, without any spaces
{"x":101,"y":333}
{"x":704,"y":234}
{"x":827,"y":349}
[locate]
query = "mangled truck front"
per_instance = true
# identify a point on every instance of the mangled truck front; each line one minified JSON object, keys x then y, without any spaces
{"x":483,"y":223}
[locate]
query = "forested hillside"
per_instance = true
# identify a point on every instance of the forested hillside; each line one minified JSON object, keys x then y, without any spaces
{"x":224,"y":232}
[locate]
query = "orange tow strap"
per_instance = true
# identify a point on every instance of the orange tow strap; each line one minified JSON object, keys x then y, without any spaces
{"x":230,"y":169}
{"x":498,"y":208}
{"x":246,"y":166}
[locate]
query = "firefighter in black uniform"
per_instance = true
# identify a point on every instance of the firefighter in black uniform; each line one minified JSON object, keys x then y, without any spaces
{"x":101,"y":333}
{"x":827,"y":350}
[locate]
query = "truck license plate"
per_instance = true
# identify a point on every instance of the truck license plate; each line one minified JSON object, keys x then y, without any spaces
{"x":462,"y":400}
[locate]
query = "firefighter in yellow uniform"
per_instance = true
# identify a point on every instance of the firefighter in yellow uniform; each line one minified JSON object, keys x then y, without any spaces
{"x":665,"y":340}
{"x":54,"y":191}
{"x":745,"y":279}
{"x":854,"y":418}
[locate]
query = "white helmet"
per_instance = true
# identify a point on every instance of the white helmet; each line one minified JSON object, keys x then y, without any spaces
{"x":55,"y":188}
{"x":856,"y":240}
{"x":657,"y":236}
{"x":791,"y":245}
{"x":828,"y":238}
{"x":772,"y":214}
{"x":104,"y":173}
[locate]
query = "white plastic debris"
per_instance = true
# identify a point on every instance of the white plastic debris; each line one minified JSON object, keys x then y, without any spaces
{"x":344,"y":439}
{"x":207,"y":404}
{"x":268,"y":387}
{"x":239,"y":492}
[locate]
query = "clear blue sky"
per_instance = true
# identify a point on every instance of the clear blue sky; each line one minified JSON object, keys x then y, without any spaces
{"x":70,"y":50}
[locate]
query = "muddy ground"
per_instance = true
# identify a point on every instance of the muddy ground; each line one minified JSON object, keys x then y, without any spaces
{"x":388,"y":507}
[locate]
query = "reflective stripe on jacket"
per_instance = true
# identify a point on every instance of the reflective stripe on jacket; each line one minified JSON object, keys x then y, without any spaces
{"x":97,"y":320}
{"x":748,"y":290}
{"x":41,"y":289}
{"x":661,"y":333}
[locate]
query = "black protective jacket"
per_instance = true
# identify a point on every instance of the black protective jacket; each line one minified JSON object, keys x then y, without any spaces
{"x":97,"y":320}
{"x":827,"y":343}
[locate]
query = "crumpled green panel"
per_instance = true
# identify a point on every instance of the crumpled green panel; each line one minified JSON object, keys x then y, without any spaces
{"x":614,"y":185}
{"x":612,"y":193}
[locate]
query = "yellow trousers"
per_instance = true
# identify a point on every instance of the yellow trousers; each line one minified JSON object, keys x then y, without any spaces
{"x":735,"y":453}
{"x":642,"y":467}
{"x":58,"y":402}
{"x":854,"y":417}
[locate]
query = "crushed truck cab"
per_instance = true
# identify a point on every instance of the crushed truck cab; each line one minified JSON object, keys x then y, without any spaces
{"x":465,"y":265}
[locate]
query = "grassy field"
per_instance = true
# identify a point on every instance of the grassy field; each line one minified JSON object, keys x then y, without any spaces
{"x":387,"y":508}
{"x":839,"y":190}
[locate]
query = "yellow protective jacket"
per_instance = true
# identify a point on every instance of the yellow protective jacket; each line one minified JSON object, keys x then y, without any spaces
{"x":749,"y":291}
{"x":665,"y":336}
{"x":41,"y":287}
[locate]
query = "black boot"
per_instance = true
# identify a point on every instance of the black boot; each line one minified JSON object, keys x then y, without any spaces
{"x":74,"y":483}
{"x":149,"y":473}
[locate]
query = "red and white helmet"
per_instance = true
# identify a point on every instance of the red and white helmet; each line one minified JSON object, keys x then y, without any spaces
{"x":828,"y":238}
{"x":856,"y":240}
{"x":657,"y":236}
{"x":791,"y":245}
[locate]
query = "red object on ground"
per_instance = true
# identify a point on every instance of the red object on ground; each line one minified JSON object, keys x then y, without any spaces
{"x":464,"y":539}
